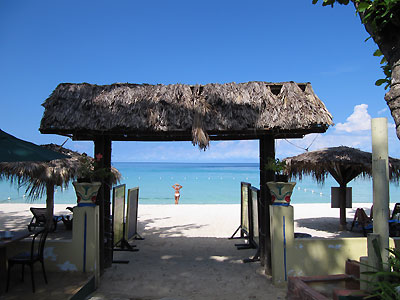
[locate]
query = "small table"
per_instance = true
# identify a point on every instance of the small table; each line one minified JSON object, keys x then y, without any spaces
{"x":4,"y":243}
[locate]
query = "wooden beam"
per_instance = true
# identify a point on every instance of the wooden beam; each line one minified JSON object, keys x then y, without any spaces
{"x":342,"y":206}
{"x":182,"y":135}
{"x":102,"y":145}
{"x":267,"y":150}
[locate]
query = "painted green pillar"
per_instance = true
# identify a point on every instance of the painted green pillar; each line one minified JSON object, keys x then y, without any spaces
{"x":282,"y":237}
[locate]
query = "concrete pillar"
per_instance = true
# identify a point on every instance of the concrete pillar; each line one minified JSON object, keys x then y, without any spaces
{"x":86,"y":240}
{"x":372,"y":263}
{"x":374,"y":259}
{"x":380,"y":175}
{"x":364,"y":267}
{"x":282,"y":241}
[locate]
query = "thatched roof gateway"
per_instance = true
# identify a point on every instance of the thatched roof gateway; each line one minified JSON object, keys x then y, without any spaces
{"x":179,"y":112}
{"x":125,"y":111}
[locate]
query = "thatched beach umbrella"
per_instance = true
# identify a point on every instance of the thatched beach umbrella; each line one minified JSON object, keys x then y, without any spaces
{"x":41,"y":177}
{"x":343,"y":163}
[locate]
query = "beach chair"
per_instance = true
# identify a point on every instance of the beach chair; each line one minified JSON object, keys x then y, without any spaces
{"x":396,"y":210}
{"x":67,"y":220}
{"x":362,"y":220}
{"x":39,"y":219}
{"x":366,"y":223}
{"x":394,"y":221}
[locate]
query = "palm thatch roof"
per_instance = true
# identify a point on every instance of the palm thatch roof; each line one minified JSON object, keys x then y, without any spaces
{"x":35,"y":176}
{"x":343,"y":163}
{"x":199,"y":113}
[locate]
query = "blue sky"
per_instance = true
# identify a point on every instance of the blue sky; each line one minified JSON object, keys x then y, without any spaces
{"x":44,"y":43}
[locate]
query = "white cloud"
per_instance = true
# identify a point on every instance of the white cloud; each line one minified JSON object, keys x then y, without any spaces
{"x":359,"y":120}
{"x":333,"y":138}
{"x":382,"y":111}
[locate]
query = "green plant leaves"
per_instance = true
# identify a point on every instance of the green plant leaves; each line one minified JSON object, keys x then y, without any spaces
{"x":379,"y":82}
{"x":386,"y":280}
{"x":363,"y":6}
{"x":275,"y":165}
{"x":377,"y":53}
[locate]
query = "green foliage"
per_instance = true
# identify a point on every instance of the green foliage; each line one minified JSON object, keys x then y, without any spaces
{"x":89,"y":169}
{"x":386,"y":70}
{"x":331,"y":2}
{"x":275,"y":165}
{"x":377,"y":14}
{"x":386,"y":283}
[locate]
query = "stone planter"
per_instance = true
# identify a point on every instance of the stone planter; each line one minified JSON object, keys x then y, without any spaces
{"x":86,"y":192}
{"x":281,"y":192}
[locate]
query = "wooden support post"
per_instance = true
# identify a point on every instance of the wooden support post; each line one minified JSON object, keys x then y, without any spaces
{"x":102,"y":145}
{"x":342,"y":206}
{"x":267,"y":149}
{"x":50,"y":205}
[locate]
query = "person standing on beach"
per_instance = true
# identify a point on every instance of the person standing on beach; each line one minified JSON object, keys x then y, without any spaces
{"x":177,"y":188}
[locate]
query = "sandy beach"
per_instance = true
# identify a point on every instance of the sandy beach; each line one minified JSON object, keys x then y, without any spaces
{"x":195,"y":220}
{"x":186,"y":253}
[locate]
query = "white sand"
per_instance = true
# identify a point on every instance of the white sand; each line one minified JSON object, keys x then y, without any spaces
{"x":186,"y":253}
{"x":214,"y":220}
{"x":221,"y":220}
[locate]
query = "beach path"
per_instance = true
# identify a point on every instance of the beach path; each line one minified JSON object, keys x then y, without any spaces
{"x":186,"y":255}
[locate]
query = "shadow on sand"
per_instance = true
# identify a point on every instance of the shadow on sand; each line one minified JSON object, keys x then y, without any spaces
{"x":170,"y":265}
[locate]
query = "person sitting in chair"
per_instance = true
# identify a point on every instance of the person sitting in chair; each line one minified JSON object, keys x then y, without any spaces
{"x":362,"y":219}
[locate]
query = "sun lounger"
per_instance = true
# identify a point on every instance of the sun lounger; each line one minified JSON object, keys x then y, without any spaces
{"x":362,"y":220}
{"x":394,"y":222}
{"x":39,"y":219}
{"x":396,"y":212}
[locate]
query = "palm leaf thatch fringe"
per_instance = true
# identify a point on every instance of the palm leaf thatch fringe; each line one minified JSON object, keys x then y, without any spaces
{"x":342,"y":161}
{"x":197,"y":110}
{"x":35,"y":176}
{"x":200,"y":108}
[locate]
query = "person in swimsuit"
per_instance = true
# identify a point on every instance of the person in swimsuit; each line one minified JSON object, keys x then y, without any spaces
{"x":177,"y":187}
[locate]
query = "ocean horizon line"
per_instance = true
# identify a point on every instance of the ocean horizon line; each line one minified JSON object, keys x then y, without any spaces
{"x":203,"y":183}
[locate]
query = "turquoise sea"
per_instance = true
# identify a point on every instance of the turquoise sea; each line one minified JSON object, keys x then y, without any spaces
{"x":203,"y":183}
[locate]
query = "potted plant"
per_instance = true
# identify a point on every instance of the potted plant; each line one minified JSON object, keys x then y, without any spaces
{"x":88,"y":182}
{"x":280,"y":189}
{"x":279,"y":168}
{"x":89,"y":169}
